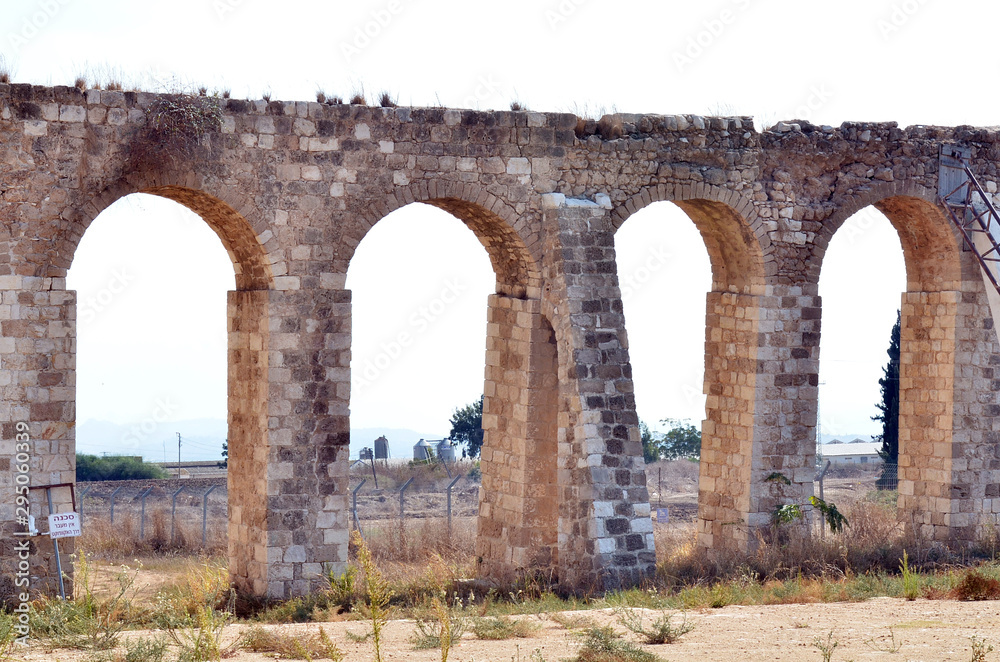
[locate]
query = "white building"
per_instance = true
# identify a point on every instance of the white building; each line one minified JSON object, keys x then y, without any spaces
{"x":852,"y":452}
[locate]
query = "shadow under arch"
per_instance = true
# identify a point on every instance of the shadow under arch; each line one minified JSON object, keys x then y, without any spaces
{"x":243,"y":233}
{"x":494,"y":222}
{"x":728,"y":225}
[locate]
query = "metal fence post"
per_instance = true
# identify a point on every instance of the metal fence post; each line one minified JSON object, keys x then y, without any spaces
{"x":113,"y":495}
{"x":822,"y":529}
{"x":142,"y":511}
{"x":55,"y":547}
{"x":83,"y":494}
{"x":354,"y":505}
{"x":402,"y":492}
{"x":173,"y":512}
{"x":204,"y":514}
{"x":451,"y":485}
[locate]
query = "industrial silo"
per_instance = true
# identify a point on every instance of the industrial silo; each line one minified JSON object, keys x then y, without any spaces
{"x":422,"y":451}
{"x":381,"y":448}
{"x":446,"y":451}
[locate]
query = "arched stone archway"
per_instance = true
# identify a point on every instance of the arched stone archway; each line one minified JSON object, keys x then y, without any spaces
{"x":727,"y":503}
{"x":938,"y":346}
{"x":511,"y":243}
{"x":263,"y":517}
{"x":518,"y":510}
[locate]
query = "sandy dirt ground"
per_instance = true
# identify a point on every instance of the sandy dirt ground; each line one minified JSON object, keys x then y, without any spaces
{"x":924,"y":630}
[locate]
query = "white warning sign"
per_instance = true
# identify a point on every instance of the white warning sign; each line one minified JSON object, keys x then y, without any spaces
{"x":64,"y":525}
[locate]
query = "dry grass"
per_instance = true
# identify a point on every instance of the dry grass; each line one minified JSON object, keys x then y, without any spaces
{"x":121,"y":541}
{"x":291,"y":646}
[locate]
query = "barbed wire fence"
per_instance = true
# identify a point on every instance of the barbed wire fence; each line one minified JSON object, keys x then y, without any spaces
{"x":189,"y":514}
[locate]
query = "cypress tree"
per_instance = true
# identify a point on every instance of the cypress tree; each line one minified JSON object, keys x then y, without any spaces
{"x":889,"y":415}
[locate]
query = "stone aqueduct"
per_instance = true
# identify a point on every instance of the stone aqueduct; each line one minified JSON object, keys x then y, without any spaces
{"x":291,"y":188}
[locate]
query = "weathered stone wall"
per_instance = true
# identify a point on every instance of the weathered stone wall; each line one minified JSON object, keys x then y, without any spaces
{"x":519,"y":500}
{"x":291,"y":188}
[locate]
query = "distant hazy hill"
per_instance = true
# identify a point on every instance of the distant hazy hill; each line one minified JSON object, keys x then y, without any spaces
{"x":202,"y":439}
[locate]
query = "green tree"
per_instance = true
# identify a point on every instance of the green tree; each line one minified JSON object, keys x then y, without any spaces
{"x":115,"y":467}
{"x":650,"y":443}
{"x":681,"y":440}
{"x":225,"y":455}
{"x":467,"y":428}
{"x":889,"y":414}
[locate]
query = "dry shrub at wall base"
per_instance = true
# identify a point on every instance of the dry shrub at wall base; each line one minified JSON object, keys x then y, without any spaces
{"x":872,"y":543}
{"x":415,"y":541}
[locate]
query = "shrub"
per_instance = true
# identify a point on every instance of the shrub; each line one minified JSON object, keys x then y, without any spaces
{"x":503,"y":627}
{"x":975,"y":586}
{"x":661,"y":631}
{"x":115,"y":467}
{"x":603,"y":644}
{"x":292,"y":646}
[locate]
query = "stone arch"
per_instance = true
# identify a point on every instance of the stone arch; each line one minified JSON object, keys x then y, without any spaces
{"x":254,"y":254}
{"x":737,"y":247}
{"x":729,"y":226}
{"x":932,"y":248}
{"x":243,"y":232}
{"x":929,"y":362}
{"x":494,"y":222}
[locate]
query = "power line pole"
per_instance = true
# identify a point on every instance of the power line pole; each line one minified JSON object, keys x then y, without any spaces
{"x":178,"y":454}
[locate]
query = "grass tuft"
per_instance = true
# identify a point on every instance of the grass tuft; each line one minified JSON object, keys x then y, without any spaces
{"x":603,"y":644}
{"x":497,"y":628}
{"x":292,"y":646}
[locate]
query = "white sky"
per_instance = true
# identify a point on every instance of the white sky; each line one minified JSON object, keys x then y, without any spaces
{"x":775,"y":59}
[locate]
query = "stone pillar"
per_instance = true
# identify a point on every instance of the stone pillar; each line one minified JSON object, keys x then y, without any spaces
{"x":288,"y":472}
{"x":975,"y":487}
{"x":518,"y":503}
{"x":928,"y":500}
{"x":761,"y":378}
{"x":727,"y":433}
{"x":248,"y":439}
{"x":38,"y":387}
{"x":605,"y":532}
